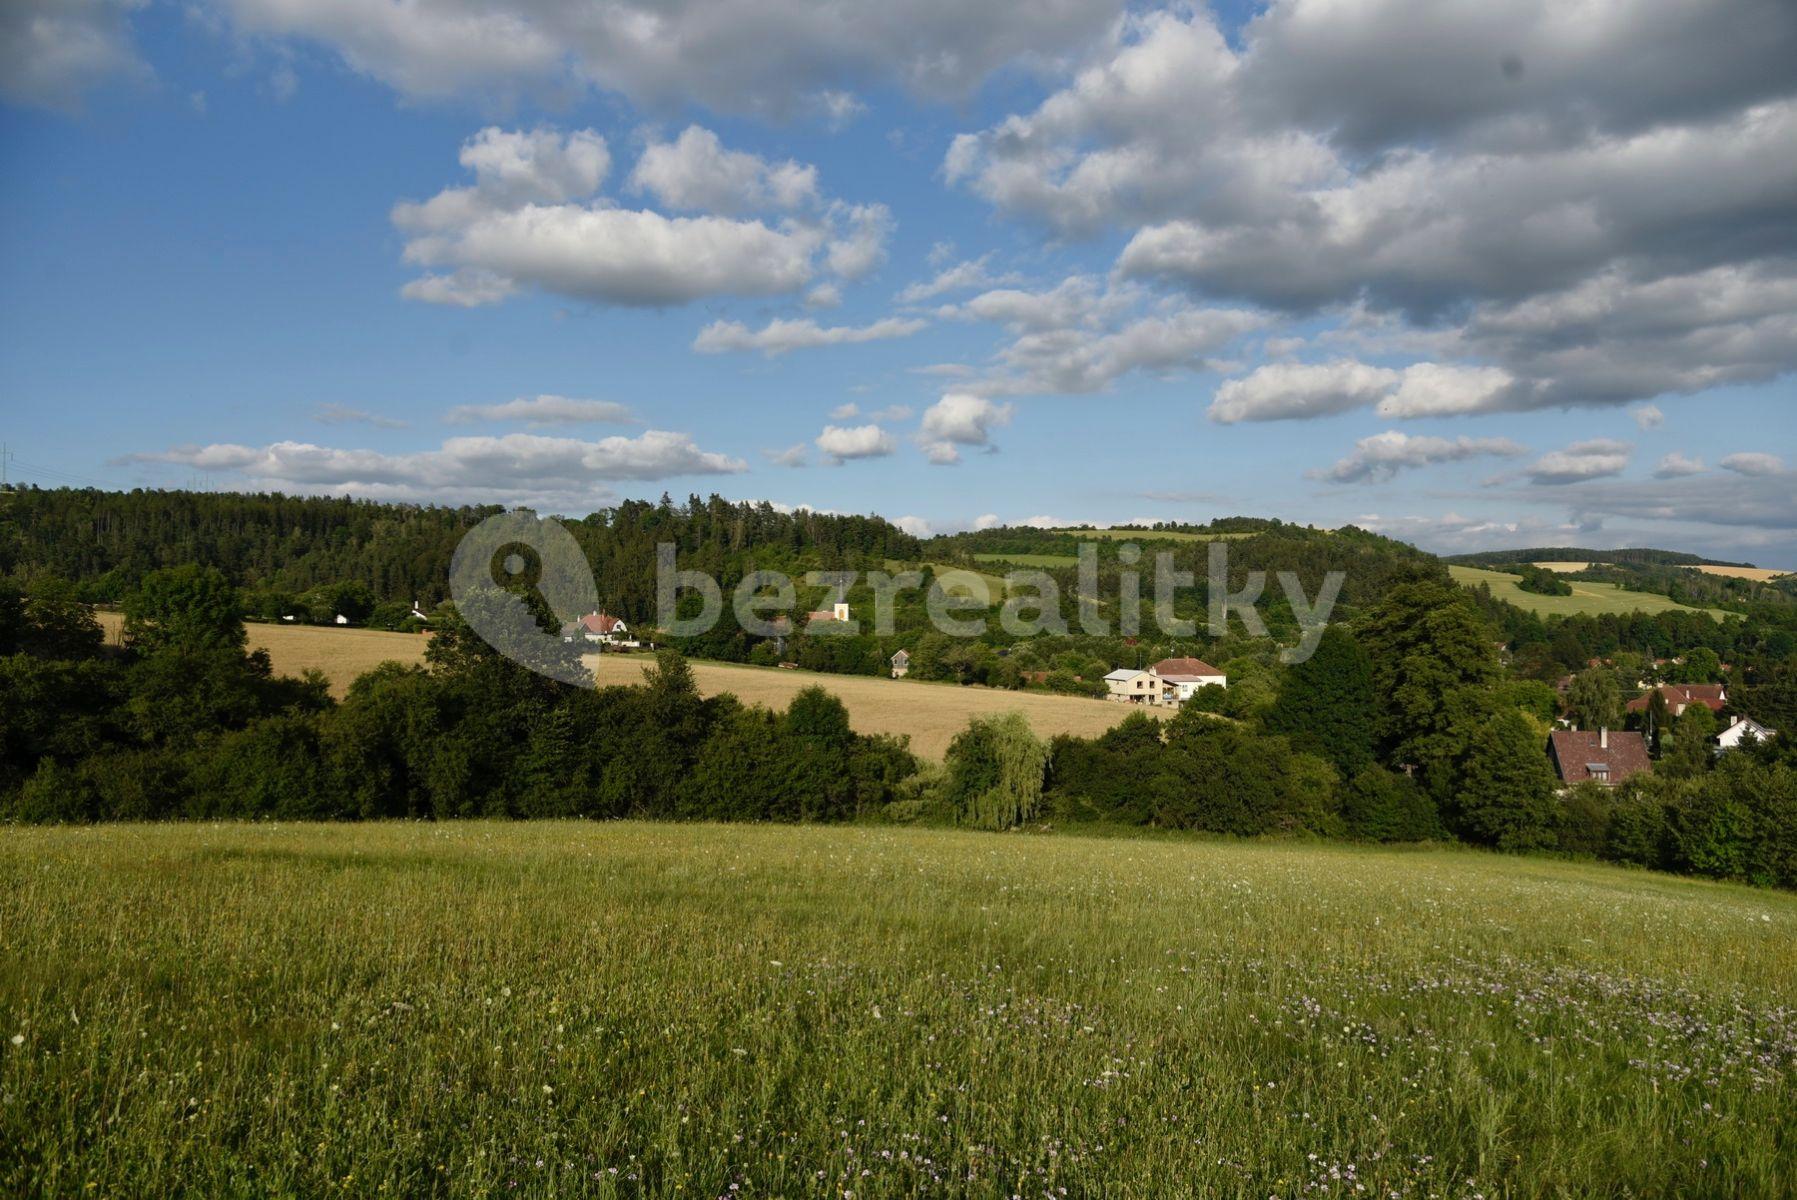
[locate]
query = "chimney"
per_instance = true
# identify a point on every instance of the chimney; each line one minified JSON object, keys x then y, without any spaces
{"x":1603,"y":738}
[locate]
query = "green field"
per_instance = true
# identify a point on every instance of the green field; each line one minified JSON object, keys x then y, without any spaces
{"x":1587,"y":598}
{"x":1045,"y":561}
{"x":696,"y":1011}
{"x":1146,"y":535}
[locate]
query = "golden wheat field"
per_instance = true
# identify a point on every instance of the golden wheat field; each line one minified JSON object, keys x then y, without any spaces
{"x":1757,"y":574}
{"x":932,"y":713}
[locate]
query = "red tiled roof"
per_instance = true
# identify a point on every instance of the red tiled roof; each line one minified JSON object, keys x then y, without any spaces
{"x":1710,"y":695}
{"x":599,"y":623}
{"x":1576,"y":751}
{"x":1183,"y":666}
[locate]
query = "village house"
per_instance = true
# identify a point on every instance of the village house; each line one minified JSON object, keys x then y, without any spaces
{"x":1182,"y":677}
{"x":1680,"y":696}
{"x":601,"y":629}
{"x":1739,"y":730}
{"x":837,"y":612}
{"x":1601,"y":756}
{"x":901,"y":664}
{"x":1127,"y":685}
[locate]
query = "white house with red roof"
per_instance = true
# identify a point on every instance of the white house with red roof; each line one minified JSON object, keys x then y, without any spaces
{"x":602,"y":629}
{"x":1180,"y":678}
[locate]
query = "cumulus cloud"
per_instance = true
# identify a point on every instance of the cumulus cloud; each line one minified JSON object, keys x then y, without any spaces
{"x":915,"y":526}
{"x":840,"y":444}
{"x":960,"y":419}
{"x":782,"y":335}
{"x":1647,"y":416}
{"x":772,"y":57}
{"x":544,"y":410}
{"x":534,"y":218}
{"x":792,"y":456}
{"x":1401,"y":156}
{"x":1379,"y":458}
{"x":695,"y":171}
{"x":1082,"y":335}
{"x":54,"y":52}
{"x":1592,"y":459}
{"x":1284,"y":391}
{"x":514,"y":468}
{"x":1677,"y":465}
{"x":1753,"y":464}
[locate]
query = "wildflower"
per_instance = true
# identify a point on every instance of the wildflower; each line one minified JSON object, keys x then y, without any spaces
{"x":18,"y":1039}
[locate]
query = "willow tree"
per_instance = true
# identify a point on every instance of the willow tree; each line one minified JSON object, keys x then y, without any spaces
{"x":995,"y":771}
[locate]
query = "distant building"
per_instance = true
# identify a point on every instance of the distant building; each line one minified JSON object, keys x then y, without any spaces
{"x":1601,"y":756}
{"x":1739,"y":730}
{"x":1182,"y":677}
{"x":1129,"y":686}
{"x":901,"y":664}
{"x":601,"y":629}
{"x":836,"y":612}
{"x":1680,"y":696}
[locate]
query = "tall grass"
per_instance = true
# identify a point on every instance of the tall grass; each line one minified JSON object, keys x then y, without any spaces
{"x":685,"y":1011}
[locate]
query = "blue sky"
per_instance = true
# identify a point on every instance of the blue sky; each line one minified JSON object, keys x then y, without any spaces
{"x":1481,"y":284}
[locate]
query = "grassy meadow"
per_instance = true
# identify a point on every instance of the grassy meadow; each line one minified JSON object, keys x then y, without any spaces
{"x":1587,"y":598}
{"x":634,"y":1010}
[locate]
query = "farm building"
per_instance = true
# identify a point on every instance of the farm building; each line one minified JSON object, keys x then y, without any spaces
{"x":1129,"y":686}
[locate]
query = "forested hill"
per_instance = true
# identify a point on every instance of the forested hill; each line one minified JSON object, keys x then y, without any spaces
{"x":1633,"y":557}
{"x":107,"y":541}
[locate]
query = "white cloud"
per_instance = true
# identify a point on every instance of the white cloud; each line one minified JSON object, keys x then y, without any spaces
{"x":987,"y":521}
{"x":915,"y":526}
{"x":1501,"y":176}
{"x":1286,"y":391}
{"x":824,"y":295}
{"x":1677,"y":465}
{"x":340,"y":414}
{"x":861,"y":247}
{"x":1753,"y":463}
{"x":964,"y":276}
{"x":544,"y":410}
{"x":768,"y":57}
{"x":842,"y":444}
{"x":54,"y":52}
{"x":696,"y":172}
{"x":1444,"y":389}
{"x":960,"y":419}
{"x":1592,"y":459}
{"x":1647,"y":416}
{"x":792,"y":456}
{"x":892,"y":412}
{"x":514,"y":468}
{"x":1380,"y":457}
{"x":782,"y":335}
{"x":534,"y":218}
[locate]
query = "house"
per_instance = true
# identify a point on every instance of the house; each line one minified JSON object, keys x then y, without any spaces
{"x":600,"y":628}
{"x":901,"y":664}
{"x":1182,"y":677}
{"x":342,"y":620}
{"x":1680,"y":696}
{"x":1739,"y":730}
{"x":836,"y":612}
{"x":1129,"y":686}
{"x":1601,"y":756}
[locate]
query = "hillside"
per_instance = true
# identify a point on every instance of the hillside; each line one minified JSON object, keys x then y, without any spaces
{"x":1587,"y":599}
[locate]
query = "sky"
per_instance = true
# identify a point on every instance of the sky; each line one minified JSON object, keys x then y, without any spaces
{"x":1515,"y":273}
